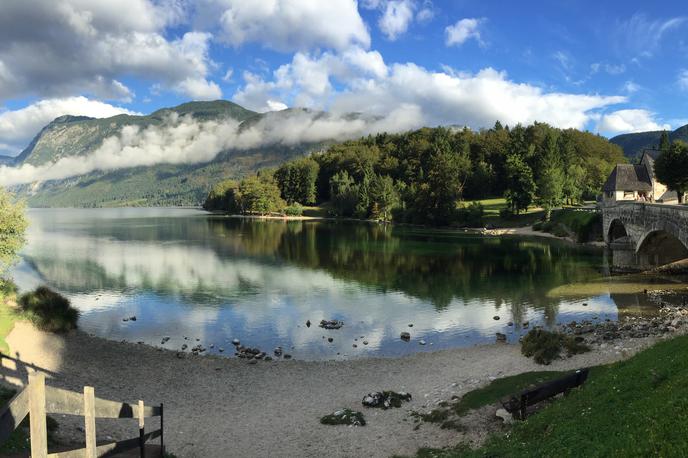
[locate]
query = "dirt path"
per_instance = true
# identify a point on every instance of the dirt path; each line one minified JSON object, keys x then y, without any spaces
{"x":224,"y":407}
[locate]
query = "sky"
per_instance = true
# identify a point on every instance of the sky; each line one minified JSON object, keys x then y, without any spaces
{"x":609,"y":67}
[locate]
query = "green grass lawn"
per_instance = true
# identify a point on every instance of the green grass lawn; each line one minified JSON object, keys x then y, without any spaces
{"x":7,"y":313}
{"x":492,"y":217}
{"x":634,"y":408}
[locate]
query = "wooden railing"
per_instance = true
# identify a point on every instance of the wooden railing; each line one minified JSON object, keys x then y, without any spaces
{"x":37,"y":400}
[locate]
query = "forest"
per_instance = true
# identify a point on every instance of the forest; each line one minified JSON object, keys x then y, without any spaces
{"x":427,"y":176}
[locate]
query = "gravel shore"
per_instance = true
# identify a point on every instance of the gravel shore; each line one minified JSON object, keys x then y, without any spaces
{"x":224,"y":407}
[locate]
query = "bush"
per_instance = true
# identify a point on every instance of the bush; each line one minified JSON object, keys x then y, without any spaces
{"x":472,"y":216}
{"x":48,"y":310}
{"x":295,"y":209}
{"x":545,"y":346}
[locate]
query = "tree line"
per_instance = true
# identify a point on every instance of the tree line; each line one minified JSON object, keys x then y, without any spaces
{"x":426,"y":176}
{"x":671,"y":166}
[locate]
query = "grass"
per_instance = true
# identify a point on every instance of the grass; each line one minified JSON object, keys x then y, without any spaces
{"x":48,"y":311}
{"x":501,"y":389}
{"x":492,"y":216}
{"x":19,"y":440}
{"x":448,"y":415}
{"x":634,"y":408}
{"x":8,"y":293}
{"x":545,"y":346}
{"x":585,"y":225}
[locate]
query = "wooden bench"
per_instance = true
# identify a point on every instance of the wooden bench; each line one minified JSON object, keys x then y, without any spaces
{"x":517,"y":405}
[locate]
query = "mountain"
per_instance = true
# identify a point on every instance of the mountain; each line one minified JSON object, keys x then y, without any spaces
{"x":633,"y":144}
{"x":183,"y":183}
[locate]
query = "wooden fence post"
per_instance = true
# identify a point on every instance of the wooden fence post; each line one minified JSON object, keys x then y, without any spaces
{"x":162,"y":430}
{"x":90,"y":421}
{"x":38,"y":430}
{"x":142,"y":431}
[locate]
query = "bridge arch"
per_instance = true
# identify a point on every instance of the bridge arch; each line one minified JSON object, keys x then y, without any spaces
{"x":617,"y":230}
{"x":660,"y":247}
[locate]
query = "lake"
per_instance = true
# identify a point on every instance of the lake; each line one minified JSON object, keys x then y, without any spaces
{"x":188,"y":274}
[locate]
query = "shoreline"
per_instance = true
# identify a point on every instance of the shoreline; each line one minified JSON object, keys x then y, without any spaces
{"x":273,"y":408}
{"x":523,"y":231}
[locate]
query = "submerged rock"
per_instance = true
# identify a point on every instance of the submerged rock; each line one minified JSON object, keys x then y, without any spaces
{"x":385,"y":399}
{"x":405,"y":336}
{"x":236,"y":342}
{"x":501,"y":337}
{"x":331,"y":324}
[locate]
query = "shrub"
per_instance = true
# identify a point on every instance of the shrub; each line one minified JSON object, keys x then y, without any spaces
{"x":472,"y":215}
{"x":506,"y":213}
{"x":48,"y":310}
{"x":294,"y":209}
{"x":545,"y":346}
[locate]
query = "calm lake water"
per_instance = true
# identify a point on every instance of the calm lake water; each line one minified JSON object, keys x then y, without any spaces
{"x":185,"y":273}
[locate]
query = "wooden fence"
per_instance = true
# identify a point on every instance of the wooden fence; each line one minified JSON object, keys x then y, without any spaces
{"x":37,"y":400}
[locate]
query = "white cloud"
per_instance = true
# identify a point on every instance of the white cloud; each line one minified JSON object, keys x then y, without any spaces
{"x":463,"y":30}
{"x":630,"y":87}
{"x":306,"y":81}
{"x":426,"y":14}
{"x":199,"y":89}
{"x":292,"y":25}
{"x":476,"y":100}
{"x":77,"y":46}
{"x":19,"y":126}
{"x":397,"y":16}
{"x":683,"y":80}
{"x":364,"y":83}
{"x":615,"y":69}
{"x":274,"y":105}
{"x":642,"y":37}
{"x":228,"y":75}
{"x":631,"y":120}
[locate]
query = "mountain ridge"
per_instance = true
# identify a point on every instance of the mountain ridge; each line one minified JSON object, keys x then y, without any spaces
{"x":633,"y":144}
{"x":159,"y":184}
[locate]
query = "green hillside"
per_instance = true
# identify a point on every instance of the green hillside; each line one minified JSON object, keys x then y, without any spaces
{"x":633,"y":144}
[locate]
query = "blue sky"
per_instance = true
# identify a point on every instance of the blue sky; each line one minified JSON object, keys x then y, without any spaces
{"x":609,"y":67}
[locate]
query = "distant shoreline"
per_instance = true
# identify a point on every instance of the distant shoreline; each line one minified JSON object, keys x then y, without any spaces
{"x":525,"y":231}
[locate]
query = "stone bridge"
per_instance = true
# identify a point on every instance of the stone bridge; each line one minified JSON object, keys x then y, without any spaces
{"x":642,"y":236}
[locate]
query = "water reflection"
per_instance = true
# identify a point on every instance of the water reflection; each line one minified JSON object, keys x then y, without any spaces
{"x":186,"y":273}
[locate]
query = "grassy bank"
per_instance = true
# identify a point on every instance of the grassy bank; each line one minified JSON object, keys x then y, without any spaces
{"x":637,"y":407}
{"x":494,"y":216}
{"x":583,"y":226}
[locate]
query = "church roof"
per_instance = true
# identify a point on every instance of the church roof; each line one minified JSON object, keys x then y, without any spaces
{"x":628,"y":177}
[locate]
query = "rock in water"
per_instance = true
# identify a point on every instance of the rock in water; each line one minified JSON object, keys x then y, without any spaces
{"x":496,"y":317}
{"x":421,"y":342}
{"x":308,"y":323}
{"x":236,"y":342}
{"x":405,"y":336}
{"x":331,"y":324}
{"x":501,"y":337}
